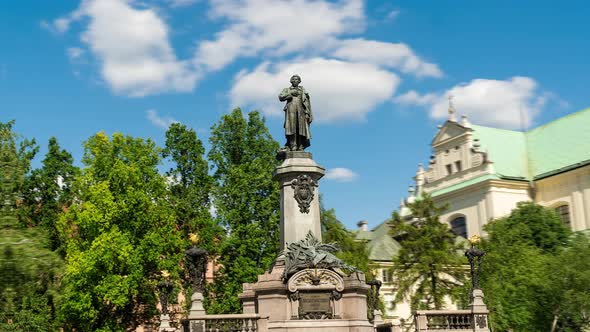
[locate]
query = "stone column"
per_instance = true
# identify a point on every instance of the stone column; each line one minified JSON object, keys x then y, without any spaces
{"x":298,"y":177}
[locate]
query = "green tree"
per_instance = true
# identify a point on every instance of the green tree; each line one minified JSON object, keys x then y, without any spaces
{"x":247,"y":201}
{"x":520,"y":257}
{"x":119,"y":234}
{"x":191,"y":185}
{"x":429,"y":266}
{"x":352,"y":252}
{"x":569,"y":272}
{"x":48,"y":191}
{"x":29,"y":269}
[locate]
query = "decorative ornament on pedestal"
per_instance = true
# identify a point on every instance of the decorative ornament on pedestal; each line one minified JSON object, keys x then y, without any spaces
{"x":196,"y":262}
{"x":165,"y":288}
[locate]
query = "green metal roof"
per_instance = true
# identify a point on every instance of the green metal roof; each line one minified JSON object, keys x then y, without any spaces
{"x":557,"y":145}
{"x":506,"y":148}
{"x":381,"y":245}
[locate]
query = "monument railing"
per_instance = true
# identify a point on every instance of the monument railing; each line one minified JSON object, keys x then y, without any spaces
{"x":444,"y":320}
{"x":225,"y":323}
{"x":388,"y":327}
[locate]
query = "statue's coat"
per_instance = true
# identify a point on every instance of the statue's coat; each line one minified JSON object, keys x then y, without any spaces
{"x":298,"y":113}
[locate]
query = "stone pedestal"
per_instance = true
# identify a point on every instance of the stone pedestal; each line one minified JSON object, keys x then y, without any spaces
{"x":196,"y":305}
{"x":316,"y":298}
{"x":480,"y":311}
{"x":165,"y":324}
{"x":344,"y":309}
{"x":298,"y":177}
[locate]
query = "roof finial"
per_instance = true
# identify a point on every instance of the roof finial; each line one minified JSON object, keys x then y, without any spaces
{"x":464,"y":122}
{"x":452,"y":116}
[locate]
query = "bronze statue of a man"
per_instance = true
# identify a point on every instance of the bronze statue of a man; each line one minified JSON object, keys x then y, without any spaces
{"x":298,"y":115}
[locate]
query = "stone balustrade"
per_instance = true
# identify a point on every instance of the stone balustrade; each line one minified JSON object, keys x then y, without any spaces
{"x":225,"y":323}
{"x":444,"y":320}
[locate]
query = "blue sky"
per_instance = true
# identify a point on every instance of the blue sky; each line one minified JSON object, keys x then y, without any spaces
{"x":379,"y":73}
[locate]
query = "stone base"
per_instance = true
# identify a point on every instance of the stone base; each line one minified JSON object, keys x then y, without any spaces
{"x":271,"y":297}
{"x":197,"y":308}
{"x":165,"y":324}
{"x":325,"y":325}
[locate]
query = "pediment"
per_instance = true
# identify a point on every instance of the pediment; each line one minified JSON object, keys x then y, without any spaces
{"x":449,"y":130}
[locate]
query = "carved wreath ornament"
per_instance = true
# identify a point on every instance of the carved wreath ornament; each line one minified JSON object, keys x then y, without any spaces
{"x":303,"y":191}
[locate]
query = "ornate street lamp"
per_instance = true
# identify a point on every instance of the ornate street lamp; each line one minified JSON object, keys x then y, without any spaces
{"x":197,"y":264}
{"x":474,"y":255}
{"x":165,"y":287}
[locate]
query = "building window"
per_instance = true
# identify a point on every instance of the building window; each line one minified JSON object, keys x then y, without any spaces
{"x":564,"y":213}
{"x":449,"y":169}
{"x":458,"y":166}
{"x":459,"y":226}
{"x":386,"y":275}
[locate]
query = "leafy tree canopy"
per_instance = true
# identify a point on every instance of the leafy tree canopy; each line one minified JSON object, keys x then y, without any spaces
{"x":247,"y":203}
{"x":48,"y":191}
{"x":428,"y":267}
{"x":119,"y":235}
{"x":352,"y":252}
{"x":534,"y":273}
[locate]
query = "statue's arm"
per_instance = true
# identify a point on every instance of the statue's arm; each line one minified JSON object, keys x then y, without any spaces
{"x":285,"y":95}
{"x":309,"y":112}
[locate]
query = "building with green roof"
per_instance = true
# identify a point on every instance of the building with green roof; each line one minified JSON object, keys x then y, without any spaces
{"x":481,"y":173}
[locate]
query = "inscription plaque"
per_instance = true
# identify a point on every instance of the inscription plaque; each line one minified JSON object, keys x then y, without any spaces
{"x":314,"y":305}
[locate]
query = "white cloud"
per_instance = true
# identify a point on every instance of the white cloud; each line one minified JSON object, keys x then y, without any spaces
{"x":130,"y":39}
{"x":341,"y":174}
{"x":509,"y":104}
{"x":160,"y":121}
{"x":339,"y":90}
{"x":393,"y":55}
{"x":133,"y":48}
{"x":74,"y":53}
{"x":62,"y":24}
{"x":414,"y":98}
{"x":277,"y":27}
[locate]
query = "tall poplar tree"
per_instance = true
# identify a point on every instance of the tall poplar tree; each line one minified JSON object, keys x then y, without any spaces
{"x":120,"y":234}
{"x":48,"y":191}
{"x":247,"y":202}
{"x":190,"y":185}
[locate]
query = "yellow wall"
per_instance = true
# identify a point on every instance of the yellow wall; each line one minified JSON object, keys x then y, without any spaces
{"x":572,"y":188}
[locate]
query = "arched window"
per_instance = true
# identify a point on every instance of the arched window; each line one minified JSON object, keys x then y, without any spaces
{"x":564,"y":213}
{"x":459,"y":226}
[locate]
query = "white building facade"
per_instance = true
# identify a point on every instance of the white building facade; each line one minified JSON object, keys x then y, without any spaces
{"x":481,"y":173}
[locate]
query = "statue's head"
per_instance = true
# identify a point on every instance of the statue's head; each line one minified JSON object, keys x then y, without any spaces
{"x":295,"y":80}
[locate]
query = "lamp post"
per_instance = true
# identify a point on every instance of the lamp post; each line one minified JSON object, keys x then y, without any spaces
{"x":474,"y":255}
{"x":165,"y":288}
{"x":196,"y":262}
{"x":478,"y":308}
